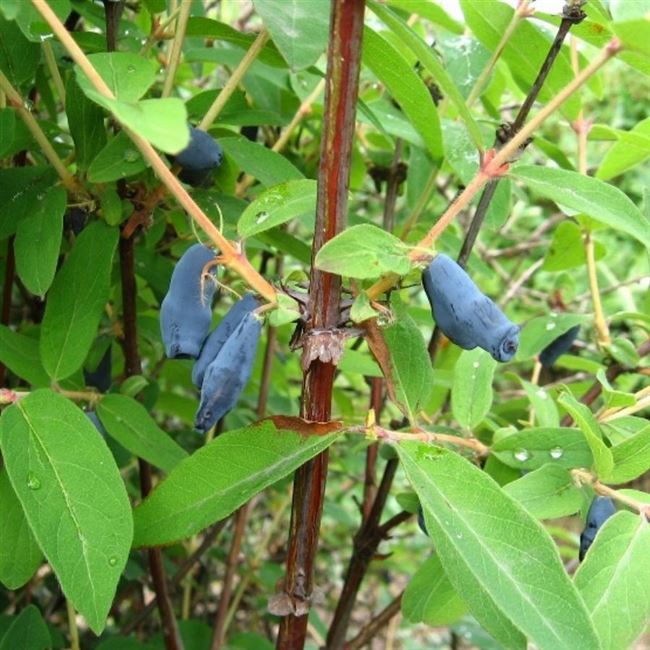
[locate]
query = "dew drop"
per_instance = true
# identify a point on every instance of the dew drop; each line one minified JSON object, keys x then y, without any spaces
{"x":476,"y":364}
{"x":33,"y":482}
{"x":550,"y":326}
{"x":112,"y":560}
{"x":521,"y":455}
{"x":459,"y":535}
{"x":542,"y":394}
{"x":130,"y":155}
{"x":130,"y":68}
{"x":261,"y":217}
{"x":556,"y":453}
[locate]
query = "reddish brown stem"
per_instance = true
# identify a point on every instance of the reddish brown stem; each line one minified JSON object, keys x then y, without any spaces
{"x":343,"y":65}
{"x":229,"y":576}
{"x":132,"y":366}
{"x":370,"y":481}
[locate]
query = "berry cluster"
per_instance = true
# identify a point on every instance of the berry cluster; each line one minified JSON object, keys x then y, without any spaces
{"x":224,"y":359}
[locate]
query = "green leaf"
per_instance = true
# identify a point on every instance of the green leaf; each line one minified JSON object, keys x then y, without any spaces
{"x":218,"y":478}
{"x":584,"y":418}
{"x":18,"y":57}
{"x":76,"y":301}
{"x":540,"y":332}
{"x":547,"y":492}
{"x":128,"y":75}
{"x":431,"y":11}
{"x":131,"y":425}
{"x":567,"y":249}
{"x":471,"y":393}
{"x":120,"y":158}
{"x":364,"y":251}
{"x":406,"y":87}
{"x":411,"y":371}
{"x":33,"y":25}
{"x":208,"y":28}
{"x":86,"y":122}
{"x":597,"y":199}
{"x":613,"y":397}
{"x":277,"y":205}
{"x":500,"y":560}
{"x":269,"y":167}
{"x":300,"y":31}
{"x":632,"y":148}
{"x":429,"y":60}
{"x":73,"y":497}
{"x":609,"y":580}
{"x":532,"y":448}
{"x":631,"y":457}
{"x":163,"y":122}
{"x":20,"y":354}
{"x":524,"y":51}
{"x":362,"y":309}
{"x":543,"y":405}
{"x":28,"y":631}
{"x":430,"y":598}
{"x":20,"y":555}
{"x":19,"y":191}
{"x":634,"y":34}
{"x":38,"y":238}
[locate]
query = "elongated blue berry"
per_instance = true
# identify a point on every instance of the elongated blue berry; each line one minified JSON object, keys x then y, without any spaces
{"x":421,"y":523}
{"x":601,"y":509}
{"x":199,"y":158}
{"x":228,"y":373}
{"x":186,"y":311}
{"x":220,"y":335}
{"x":466,"y":316}
{"x":554,"y":350}
{"x":92,"y":416}
{"x":102,"y":376}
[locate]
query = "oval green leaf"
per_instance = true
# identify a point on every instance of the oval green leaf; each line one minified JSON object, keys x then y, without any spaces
{"x":218,"y":478}
{"x":76,"y":301}
{"x":73,"y":497}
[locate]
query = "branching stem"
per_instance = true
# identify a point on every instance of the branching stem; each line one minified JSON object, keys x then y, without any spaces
{"x":230,"y":253}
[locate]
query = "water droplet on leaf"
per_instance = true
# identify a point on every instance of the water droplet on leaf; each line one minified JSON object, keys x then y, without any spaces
{"x":33,"y":482}
{"x":130,"y":155}
{"x":550,"y":326}
{"x":112,"y":560}
{"x":261,"y":217}
{"x":521,"y":455}
{"x":556,"y":453}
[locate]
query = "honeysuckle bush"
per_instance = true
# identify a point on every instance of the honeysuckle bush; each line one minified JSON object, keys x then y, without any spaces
{"x":108,"y":494}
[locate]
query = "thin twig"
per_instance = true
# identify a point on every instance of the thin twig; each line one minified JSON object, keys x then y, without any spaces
{"x":494,"y":166}
{"x":72,"y":626}
{"x":218,"y":635}
{"x":177,"y":48}
{"x":182,"y":571}
{"x":54,"y":70}
{"x":18,"y":104}
{"x":521,"y":12}
{"x":304,"y":110}
{"x":234,"y":80}
{"x":370,"y":630}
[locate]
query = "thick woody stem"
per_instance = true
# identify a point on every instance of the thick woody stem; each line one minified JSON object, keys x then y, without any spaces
{"x":343,"y":66}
